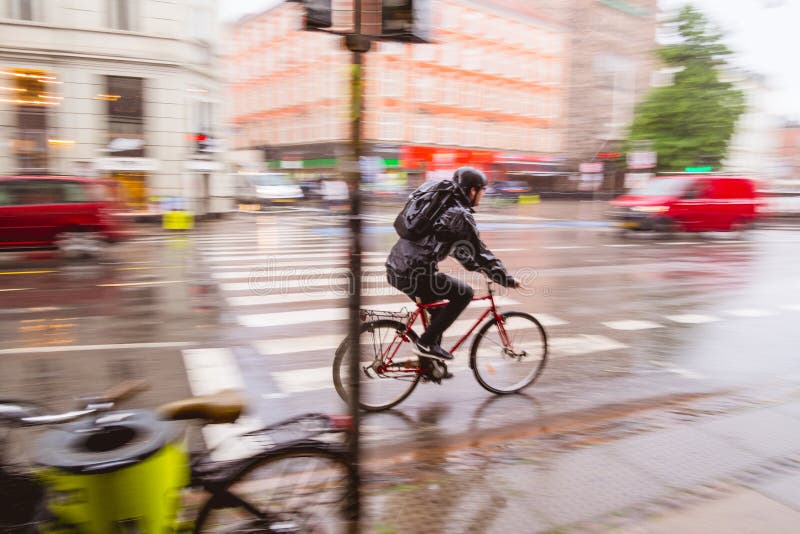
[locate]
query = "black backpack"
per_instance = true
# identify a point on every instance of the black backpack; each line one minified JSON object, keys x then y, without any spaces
{"x":423,"y":208}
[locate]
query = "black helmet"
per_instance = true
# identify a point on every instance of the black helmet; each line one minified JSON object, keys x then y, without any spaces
{"x":469,"y":178}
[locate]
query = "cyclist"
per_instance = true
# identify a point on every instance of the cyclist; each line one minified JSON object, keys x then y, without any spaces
{"x":412,"y":266}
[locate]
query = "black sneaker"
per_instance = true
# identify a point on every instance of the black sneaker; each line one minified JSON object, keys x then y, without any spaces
{"x":435,"y":352}
{"x":434,"y":370}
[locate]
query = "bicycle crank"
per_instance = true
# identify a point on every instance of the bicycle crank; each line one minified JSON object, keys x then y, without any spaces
{"x":435,"y":371}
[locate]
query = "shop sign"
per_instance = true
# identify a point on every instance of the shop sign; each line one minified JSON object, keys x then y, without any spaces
{"x":592,"y":167}
{"x":641,"y":160}
{"x":203,"y":165}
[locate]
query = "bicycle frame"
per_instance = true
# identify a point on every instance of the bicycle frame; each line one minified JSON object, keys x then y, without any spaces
{"x":420,"y":312}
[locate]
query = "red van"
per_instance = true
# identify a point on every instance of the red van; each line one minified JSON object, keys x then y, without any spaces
{"x":73,"y":214}
{"x":690,"y":203}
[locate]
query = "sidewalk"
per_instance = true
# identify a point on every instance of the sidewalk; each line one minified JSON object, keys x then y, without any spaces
{"x":728,"y":465}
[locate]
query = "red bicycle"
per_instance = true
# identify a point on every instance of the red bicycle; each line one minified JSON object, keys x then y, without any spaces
{"x":508,"y":353}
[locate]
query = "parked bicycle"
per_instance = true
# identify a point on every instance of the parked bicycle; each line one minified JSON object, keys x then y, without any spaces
{"x":508,"y":353}
{"x":128,"y":471}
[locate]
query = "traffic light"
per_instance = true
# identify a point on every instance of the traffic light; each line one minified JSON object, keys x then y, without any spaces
{"x":406,"y":20}
{"x":318,"y":14}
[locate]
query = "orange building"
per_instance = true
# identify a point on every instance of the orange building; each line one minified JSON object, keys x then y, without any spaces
{"x":490,"y":91}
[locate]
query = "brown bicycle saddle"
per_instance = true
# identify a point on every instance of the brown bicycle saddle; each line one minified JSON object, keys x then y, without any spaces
{"x":223,"y":407}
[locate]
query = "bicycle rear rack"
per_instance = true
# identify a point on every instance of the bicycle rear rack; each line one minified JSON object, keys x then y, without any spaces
{"x":301,"y":428}
{"x":374,"y":315}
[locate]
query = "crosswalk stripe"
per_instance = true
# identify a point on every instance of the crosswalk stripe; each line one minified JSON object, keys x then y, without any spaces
{"x":631,"y":325}
{"x":691,"y":318}
{"x":288,"y":298}
{"x":272,"y":248}
{"x":333,"y":314}
{"x":750,"y":312}
{"x":321,"y":255}
{"x":271,"y":263}
{"x":211,"y":370}
{"x":334,"y":283}
{"x":295,"y":381}
{"x":266,"y":272}
{"x":293,"y":345}
{"x":259,"y":285}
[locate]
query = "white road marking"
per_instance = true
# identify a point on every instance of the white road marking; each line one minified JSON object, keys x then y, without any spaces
{"x":791,"y":307}
{"x":286,"y":298}
{"x":273,"y":249}
{"x":295,"y":381}
{"x":631,"y":325}
{"x":302,"y":380}
{"x":259,"y":285}
{"x":293,"y":345}
{"x":322,"y":255}
{"x":335,"y":283}
{"x":582,"y":344}
{"x":751,"y":312}
{"x":335,"y":314}
{"x":564,"y":247}
{"x":114,"y":346}
{"x":690,"y":318}
{"x":212,"y":370}
{"x":623,"y":245}
{"x":686,"y":373}
{"x":271,"y":263}
{"x":149,"y":283}
{"x":17,"y":289}
{"x":265,"y":272}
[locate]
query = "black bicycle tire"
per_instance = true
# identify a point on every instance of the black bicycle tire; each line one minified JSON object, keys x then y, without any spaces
{"x":343,"y":351}
{"x":329,"y":451}
{"x":482,"y":332}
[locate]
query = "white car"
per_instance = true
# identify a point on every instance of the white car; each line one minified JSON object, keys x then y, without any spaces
{"x":268,"y":188}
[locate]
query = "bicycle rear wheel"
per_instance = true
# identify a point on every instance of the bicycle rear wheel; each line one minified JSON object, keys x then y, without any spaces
{"x":389,"y":370}
{"x":509,"y":367}
{"x":298,"y":490}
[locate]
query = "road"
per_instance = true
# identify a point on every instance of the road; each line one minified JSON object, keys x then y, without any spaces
{"x":258,"y":301}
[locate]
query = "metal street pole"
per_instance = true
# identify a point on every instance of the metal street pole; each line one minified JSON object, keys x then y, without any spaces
{"x":358,"y":45}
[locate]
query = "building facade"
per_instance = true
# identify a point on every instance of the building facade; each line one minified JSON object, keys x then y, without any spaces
{"x":752,"y":149}
{"x":122,"y":89}
{"x":490,"y":91}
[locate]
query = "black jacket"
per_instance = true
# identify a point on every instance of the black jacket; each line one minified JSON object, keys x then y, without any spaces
{"x":454,"y":234}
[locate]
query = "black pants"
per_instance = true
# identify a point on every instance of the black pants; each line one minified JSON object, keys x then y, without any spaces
{"x":431,"y":288}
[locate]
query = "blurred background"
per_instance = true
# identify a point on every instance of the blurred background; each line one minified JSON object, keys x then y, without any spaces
{"x":174,"y":194}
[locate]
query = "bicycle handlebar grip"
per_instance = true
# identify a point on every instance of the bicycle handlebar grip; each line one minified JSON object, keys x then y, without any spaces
{"x":124,"y":390}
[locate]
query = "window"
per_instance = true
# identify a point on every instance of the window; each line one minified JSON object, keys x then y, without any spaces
{"x":121,"y":14}
{"x":125,"y":116}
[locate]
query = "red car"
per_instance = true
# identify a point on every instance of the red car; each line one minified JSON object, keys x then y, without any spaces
{"x":73,"y":214}
{"x":690,"y":203}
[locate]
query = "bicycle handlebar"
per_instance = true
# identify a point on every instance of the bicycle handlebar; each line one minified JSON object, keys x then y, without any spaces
{"x":92,"y":405}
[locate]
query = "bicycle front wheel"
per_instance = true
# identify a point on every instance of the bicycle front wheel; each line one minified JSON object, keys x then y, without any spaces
{"x":510,"y":356}
{"x":388,"y":369}
{"x":302,"y":489}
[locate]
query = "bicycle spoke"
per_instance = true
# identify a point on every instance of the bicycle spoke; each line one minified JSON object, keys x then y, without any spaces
{"x":502,"y":368}
{"x":389,"y":370}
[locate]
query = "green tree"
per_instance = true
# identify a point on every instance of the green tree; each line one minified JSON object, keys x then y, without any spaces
{"x":691,"y":121}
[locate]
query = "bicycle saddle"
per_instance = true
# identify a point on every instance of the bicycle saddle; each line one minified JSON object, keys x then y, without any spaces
{"x":223,"y":407}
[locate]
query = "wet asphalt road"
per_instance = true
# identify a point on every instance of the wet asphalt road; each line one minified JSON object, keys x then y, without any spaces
{"x":255,"y":301}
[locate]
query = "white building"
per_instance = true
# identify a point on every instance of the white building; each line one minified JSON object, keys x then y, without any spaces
{"x":125,"y":89}
{"x":753,"y":147}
